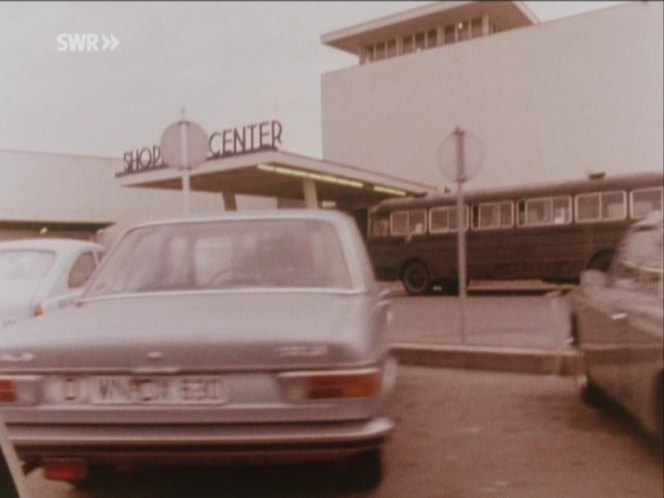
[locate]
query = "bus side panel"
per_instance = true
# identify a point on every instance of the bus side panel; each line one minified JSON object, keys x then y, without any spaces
{"x":548,"y":253}
{"x":390,"y":255}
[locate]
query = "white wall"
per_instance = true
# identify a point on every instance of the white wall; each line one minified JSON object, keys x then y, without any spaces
{"x":53,"y":187}
{"x":548,"y":102}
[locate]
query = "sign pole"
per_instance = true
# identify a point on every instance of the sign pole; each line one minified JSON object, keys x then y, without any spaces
{"x":460,"y":159}
{"x":186,"y":169}
{"x":461,"y":231}
{"x":184,"y":145}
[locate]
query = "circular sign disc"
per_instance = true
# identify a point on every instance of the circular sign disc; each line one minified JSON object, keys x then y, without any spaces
{"x":184,"y":145}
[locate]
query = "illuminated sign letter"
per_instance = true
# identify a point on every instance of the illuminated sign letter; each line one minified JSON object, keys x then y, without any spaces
{"x":264,"y":135}
{"x":144,"y":158}
{"x":129,"y":161}
{"x":239,"y":141}
{"x":156,"y":156}
{"x":226,"y":142}
{"x":251,"y":135}
{"x":213,"y":150}
{"x":276,"y":133}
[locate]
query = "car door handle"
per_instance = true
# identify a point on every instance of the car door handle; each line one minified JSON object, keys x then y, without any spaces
{"x":619,"y":317}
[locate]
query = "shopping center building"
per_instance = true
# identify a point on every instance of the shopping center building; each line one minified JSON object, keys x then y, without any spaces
{"x":546,"y":101}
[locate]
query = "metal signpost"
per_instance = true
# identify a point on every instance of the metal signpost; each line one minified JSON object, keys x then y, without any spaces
{"x":184,"y":145}
{"x":460,"y":159}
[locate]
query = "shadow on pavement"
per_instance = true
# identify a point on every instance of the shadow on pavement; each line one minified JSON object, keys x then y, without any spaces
{"x":232,"y":481}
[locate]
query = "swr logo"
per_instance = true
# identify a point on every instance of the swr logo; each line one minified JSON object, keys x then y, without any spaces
{"x":86,"y":42}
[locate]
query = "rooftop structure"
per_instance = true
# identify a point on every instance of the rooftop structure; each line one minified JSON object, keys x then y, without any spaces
{"x":440,"y":23}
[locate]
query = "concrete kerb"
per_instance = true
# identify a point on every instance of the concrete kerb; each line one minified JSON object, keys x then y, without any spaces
{"x":522,"y":360}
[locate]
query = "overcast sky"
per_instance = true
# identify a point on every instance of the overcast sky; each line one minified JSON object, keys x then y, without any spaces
{"x":228,"y":63}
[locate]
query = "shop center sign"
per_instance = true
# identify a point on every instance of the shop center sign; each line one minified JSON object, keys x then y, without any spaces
{"x":228,"y":142}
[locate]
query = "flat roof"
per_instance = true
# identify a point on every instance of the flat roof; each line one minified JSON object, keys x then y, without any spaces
{"x":618,"y":182}
{"x":279,"y":174}
{"x":506,"y":15}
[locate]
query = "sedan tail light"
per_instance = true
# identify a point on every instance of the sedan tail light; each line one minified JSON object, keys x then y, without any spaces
{"x":18,"y":390}
{"x":341,"y":384}
{"x":7,"y":391}
{"x":65,"y":470}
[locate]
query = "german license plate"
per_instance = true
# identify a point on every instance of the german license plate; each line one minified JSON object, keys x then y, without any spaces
{"x":127,"y":390}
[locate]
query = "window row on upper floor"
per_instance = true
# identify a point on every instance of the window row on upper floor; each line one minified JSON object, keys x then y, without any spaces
{"x":427,"y":38}
{"x":595,"y":207}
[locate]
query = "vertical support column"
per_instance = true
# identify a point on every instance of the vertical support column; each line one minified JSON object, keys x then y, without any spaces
{"x":229,"y":200}
{"x":485,"y":25}
{"x":310,"y":194}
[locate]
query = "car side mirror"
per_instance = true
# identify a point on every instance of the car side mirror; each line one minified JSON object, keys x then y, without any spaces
{"x":594,"y":278}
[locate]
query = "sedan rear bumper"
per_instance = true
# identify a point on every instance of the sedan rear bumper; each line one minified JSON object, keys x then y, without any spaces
{"x":124,"y":444}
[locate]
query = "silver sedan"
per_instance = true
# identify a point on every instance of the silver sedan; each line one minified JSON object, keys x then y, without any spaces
{"x":245,"y":337}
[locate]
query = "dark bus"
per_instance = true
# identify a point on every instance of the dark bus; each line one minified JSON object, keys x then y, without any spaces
{"x":548,"y":232}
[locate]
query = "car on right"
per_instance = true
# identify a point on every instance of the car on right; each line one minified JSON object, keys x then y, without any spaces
{"x":617,"y":323}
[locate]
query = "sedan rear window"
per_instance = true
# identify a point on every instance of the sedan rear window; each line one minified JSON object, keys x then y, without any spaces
{"x":225,"y":255}
{"x":25,"y":264}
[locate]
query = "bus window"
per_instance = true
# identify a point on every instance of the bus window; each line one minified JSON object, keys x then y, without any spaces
{"x":614,"y":206}
{"x":645,"y":200}
{"x":604,"y":206}
{"x":587,"y":208}
{"x":545,"y":211}
{"x":412,"y":222}
{"x":491,"y":215}
{"x":444,"y":219}
{"x":380,"y":227}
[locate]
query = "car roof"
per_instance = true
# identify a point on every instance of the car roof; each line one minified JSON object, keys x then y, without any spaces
{"x":52,"y":244}
{"x":330,"y":215}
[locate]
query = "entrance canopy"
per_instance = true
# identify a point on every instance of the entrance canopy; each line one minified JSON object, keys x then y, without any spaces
{"x":282,"y":175}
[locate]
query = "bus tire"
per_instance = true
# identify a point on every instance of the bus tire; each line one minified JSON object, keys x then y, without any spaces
{"x":415,"y":278}
{"x":601,"y":261}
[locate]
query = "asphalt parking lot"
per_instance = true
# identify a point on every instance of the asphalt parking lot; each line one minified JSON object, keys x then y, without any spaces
{"x":518,"y":327}
{"x":534,"y":320}
{"x":460,"y":434}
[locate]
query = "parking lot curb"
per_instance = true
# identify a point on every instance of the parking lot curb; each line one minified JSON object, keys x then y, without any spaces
{"x":536,"y":361}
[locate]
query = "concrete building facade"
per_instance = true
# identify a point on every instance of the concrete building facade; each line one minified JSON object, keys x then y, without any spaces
{"x":547,"y":101}
{"x":60,"y":195}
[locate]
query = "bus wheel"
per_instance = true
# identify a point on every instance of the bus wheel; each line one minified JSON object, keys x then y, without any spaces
{"x":415,"y":278}
{"x":601,"y":261}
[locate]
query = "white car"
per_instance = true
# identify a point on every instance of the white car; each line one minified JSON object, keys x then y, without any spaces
{"x":38,"y":275}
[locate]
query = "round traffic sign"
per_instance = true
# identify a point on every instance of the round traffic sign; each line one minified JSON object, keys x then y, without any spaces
{"x":460,"y":156}
{"x":184,"y":145}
